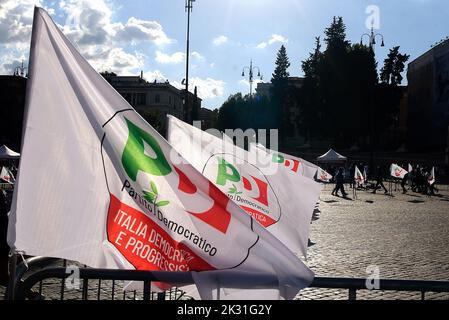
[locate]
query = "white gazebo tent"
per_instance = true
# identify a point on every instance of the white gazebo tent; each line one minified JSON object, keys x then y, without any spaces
{"x":8,"y":154}
{"x":332,"y":157}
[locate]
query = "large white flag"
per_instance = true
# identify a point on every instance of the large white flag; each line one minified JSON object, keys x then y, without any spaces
{"x":97,"y":184}
{"x":358,"y":176}
{"x":6,"y":175}
{"x":278,"y":198}
{"x":397,"y":172}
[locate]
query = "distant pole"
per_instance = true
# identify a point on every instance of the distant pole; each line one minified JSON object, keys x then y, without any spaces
{"x":251,"y":70}
{"x":189,"y":8}
{"x":372,"y":44}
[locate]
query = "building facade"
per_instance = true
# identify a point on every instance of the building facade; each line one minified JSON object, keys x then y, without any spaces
{"x":428,"y":100}
{"x":153,"y":100}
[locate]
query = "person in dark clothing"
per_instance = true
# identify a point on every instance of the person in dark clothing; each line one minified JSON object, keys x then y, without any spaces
{"x":4,"y":248}
{"x":351,"y":176}
{"x":404,"y":182}
{"x":339,"y":183}
{"x":379,"y":180}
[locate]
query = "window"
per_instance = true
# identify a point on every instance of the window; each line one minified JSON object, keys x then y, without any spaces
{"x":157,"y":99}
{"x":141,"y":99}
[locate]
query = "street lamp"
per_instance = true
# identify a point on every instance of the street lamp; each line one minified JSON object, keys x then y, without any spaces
{"x":372,"y":43}
{"x":251,"y":70}
{"x":21,"y":71}
{"x":189,"y":8}
{"x":372,"y":39}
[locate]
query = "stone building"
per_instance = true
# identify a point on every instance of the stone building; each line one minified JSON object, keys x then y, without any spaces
{"x":154,"y":100}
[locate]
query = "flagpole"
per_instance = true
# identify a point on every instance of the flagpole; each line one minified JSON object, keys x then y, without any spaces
{"x":12,"y":263}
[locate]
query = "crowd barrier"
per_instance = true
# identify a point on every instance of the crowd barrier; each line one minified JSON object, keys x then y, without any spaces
{"x":25,"y":279}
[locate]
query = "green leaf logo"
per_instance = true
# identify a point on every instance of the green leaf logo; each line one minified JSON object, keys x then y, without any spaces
{"x":152,"y":195}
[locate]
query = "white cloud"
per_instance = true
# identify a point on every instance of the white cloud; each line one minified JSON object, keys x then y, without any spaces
{"x":16,"y":18}
{"x":275,"y":38}
{"x":220,"y":40}
{"x":118,"y":61}
{"x":207,"y":88}
{"x":197,"y":56}
{"x":175,"y":58}
{"x":140,"y":30}
{"x":155,"y":75}
{"x":89,"y":25}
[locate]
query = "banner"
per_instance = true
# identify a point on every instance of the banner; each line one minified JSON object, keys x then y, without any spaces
{"x":98,"y":185}
{"x":323,"y":176}
{"x":275,"y":196}
{"x":397,"y":172}
{"x":358,"y":176}
{"x":295,"y":164}
{"x":6,"y":175}
{"x":431,"y":178}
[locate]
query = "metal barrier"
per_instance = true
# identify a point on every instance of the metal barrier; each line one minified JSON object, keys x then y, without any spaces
{"x":87,"y":275}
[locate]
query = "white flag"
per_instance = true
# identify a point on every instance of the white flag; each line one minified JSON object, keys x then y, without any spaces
{"x":358,"y":176}
{"x":397,"y":172}
{"x":294,"y":164}
{"x":278,"y":198}
{"x":323,"y":176}
{"x":6,"y":175}
{"x":431,"y":177}
{"x":98,"y":185}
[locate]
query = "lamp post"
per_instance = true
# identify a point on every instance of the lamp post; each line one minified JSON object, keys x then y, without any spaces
{"x":372,"y":39}
{"x":251,"y":70}
{"x":189,"y":8}
{"x":21,"y":71}
{"x":372,"y":43}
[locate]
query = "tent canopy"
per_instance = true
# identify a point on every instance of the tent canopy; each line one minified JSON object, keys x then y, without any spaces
{"x":6,"y":153}
{"x":332,"y":156}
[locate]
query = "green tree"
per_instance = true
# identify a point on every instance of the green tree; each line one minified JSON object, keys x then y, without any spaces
{"x":394,"y":66}
{"x":279,"y":93}
{"x":281,"y":73}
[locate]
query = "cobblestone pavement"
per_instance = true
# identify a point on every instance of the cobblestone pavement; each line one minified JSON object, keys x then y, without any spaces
{"x":405,"y":236}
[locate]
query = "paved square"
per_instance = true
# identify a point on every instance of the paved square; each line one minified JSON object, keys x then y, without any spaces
{"x":406,"y":236}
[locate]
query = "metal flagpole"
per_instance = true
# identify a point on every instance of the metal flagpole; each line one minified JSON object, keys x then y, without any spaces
{"x":12,"y":265}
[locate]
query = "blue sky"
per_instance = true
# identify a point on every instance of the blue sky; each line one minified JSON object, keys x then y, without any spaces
{"x":149,"y":35}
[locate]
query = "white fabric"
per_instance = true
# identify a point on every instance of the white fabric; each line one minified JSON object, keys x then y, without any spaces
{"x":358,"y":176}
{"x":6,"y":175}
{"x":278,"y":198}
{"x":332,"y":156}
{"x":6,"y":153}
{"x":432,"y":177}
{"x":323,"y":176}
{"x":397,"y":172}
{"x":295,"y":164}
{"x":98,"y":185}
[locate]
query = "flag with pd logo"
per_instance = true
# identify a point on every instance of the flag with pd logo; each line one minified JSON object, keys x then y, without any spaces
{"x":397,"y":172}
{"x":98,"y":185}
{"x":278,"y":198}
{"x":6,"y":175}
{"x":294,"y":164}
{"x":358,"y":176}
